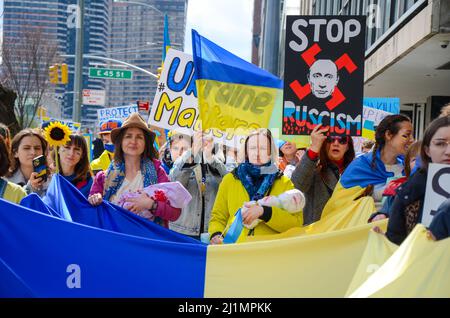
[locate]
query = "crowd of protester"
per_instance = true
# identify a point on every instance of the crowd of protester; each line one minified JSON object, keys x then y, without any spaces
{"x":222,"y":180}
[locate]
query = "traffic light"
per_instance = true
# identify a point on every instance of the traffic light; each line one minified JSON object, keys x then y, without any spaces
{"x":64,"y":73}
{"x":53,"y":74}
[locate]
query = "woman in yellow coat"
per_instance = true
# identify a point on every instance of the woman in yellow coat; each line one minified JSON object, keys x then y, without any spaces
{"x":252,"y":180}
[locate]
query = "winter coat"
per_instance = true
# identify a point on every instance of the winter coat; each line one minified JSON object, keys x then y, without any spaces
{"x":195,"y":217}
{"x":317,"y":189}
{"x":406,"y":211}
{"x":232,"y":195}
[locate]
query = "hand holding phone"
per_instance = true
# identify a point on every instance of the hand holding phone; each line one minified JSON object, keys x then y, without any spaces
{"x":40,"y":167}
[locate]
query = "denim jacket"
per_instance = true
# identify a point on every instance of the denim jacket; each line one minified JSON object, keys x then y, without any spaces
{"x":190,"y":176}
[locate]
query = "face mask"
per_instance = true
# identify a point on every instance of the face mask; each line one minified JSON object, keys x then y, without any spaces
{"x":230,"y":159}
{"x":109,"y":147}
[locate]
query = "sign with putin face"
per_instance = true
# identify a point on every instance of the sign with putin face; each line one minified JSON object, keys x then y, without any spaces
{"x":324,"y":74}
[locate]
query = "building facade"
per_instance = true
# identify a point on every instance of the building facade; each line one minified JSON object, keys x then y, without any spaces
{"x":137,"y":38}
{"x":53,"y":18}
{"x":407,"y":50}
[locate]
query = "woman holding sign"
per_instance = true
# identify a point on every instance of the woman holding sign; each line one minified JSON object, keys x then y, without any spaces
{"x":406,"y":211}
{"x":135,"y":166}
{"x":252,"y":180}
{"x":320,"y":169}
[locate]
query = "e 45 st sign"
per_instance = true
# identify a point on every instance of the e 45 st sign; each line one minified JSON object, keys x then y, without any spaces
{"x":96,"y":72}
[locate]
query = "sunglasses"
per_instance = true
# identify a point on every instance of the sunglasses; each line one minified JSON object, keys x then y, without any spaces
{"x":343,"y":140}
{"x":109,"y":125}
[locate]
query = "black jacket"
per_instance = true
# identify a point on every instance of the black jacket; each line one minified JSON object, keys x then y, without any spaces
{"x":411,"y":193}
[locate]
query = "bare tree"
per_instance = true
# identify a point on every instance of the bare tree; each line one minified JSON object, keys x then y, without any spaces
{"x":26,"y":60}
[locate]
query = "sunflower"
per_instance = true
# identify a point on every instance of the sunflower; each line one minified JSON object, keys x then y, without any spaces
{"x":57,"y":134}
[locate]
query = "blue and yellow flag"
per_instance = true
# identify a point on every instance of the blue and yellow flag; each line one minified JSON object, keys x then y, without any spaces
{"x":166,"y":40}
{"x":232,"y":93}
{"x":356,"y":178}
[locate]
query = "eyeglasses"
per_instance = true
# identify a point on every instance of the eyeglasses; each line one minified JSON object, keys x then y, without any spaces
{"x":343,"y":140}
{"x":109,"y":125}
{"x":441,"y":143}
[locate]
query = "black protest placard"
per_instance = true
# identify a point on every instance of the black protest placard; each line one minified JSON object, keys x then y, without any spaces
{"x":324,"y":74}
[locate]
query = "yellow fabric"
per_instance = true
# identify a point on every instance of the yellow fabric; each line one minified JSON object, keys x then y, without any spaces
{"x":346,"y":213}
{"x":320,"y":265}
{"x":102,"y":162}
{"x":14,"y":193}
{"x":232,"y":195}
{"x":377,"y":252}
{"x":419,"y":268}
{"x":343,"y":210}
{"x":228,"y":105}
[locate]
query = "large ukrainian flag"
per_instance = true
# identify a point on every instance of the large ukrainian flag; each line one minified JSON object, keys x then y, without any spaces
{"x":106,"y":251}
{"x":232,"y":93}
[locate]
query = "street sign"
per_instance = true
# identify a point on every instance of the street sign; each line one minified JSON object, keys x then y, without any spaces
{"x":110,"y":73}
{"x":93,"y":97}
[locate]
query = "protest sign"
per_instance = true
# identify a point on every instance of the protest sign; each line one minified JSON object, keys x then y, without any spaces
{"x":74,"y":126}
{"x":324,"y":74}
{"x":120,"y":113}
{"x":438,"y":190}
{"x":175,"y":106}
{"x":374,"y":111}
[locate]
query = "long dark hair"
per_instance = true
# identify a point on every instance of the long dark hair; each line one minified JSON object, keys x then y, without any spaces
{"x":5,"y":157}
{"x":82,"y":168}
{"x":431,"y":130}
{"x":15,"y":144}
{"x":389,"y":123}
{"x":324,"y":160}
{"x":149,"y":150}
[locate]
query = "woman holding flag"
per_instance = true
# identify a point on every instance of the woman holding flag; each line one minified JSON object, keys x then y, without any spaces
{"x":252,"y":180}
{"x":368,"y":174}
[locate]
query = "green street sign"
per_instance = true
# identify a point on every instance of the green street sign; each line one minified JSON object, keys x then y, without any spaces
{"x":110,"y":73}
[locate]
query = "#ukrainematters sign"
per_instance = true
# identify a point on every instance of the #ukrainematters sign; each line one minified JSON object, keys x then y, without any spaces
{"x":175,"y":106}
{"x":438,"y":190}
{"x":324,"y":74}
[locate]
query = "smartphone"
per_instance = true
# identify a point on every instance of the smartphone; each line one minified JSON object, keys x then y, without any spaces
{"x":40,"y":166}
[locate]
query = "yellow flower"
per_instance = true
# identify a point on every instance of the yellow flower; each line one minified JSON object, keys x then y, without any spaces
{"x":57,"y":134}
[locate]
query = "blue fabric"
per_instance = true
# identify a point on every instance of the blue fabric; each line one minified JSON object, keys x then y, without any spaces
{"x":86,"y":188}
{"x":11,"y":285}
{"x":280,"y":143}
{"x":118,"y":172}
{"x":34,"y":202}
{"x":254,"y":182}
{"x":40,"y":251}
{"x":109,"y":147}
{"x":61,"y":194}
{"x":235,"y":229}
{"x":361,"y":173}
{"x":215,"y":63}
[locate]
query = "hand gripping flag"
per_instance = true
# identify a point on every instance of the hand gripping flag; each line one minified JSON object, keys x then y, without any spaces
{"x":235,"y":229}
{"x":232,"y":93}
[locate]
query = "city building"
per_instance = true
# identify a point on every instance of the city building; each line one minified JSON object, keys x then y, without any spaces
{"x":407,"y":49}
{"x":55,"y":19}
{"x":136,"y":37}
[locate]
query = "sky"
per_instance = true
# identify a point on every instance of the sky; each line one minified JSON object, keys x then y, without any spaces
{"x":227,"y":23}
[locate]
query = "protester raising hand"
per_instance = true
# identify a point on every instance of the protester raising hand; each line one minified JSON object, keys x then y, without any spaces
{"x":317,"y":138}
{"x":197,"y":143}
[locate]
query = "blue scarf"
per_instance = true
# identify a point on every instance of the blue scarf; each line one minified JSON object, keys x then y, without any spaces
{"x":254,"y":182}
{"x":116,"y":174}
